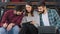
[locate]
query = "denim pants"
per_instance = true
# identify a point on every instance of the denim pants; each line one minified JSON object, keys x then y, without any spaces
{"x":14,"y":30}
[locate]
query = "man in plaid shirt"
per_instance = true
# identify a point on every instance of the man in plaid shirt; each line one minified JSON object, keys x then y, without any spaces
{"x":48,"y":17}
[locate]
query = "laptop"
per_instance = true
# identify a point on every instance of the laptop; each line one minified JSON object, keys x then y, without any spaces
{"x":47,"y":30}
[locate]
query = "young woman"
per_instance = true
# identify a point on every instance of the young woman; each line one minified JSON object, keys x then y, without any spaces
{"x":30,"y":21}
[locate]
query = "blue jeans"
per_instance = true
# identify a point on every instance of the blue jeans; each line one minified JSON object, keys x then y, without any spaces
{"x":14,"y":30}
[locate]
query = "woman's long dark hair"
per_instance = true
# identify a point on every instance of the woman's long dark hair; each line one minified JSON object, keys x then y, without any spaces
{"x":26,"y":12}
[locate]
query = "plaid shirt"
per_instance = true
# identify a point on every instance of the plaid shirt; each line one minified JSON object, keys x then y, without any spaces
{"x":10,"y":17}
{"x":53,"y":17}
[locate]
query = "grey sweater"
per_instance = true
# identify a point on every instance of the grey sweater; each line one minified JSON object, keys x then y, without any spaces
{"x":34,"y":18}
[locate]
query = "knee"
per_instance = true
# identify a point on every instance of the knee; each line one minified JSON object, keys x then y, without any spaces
{"x":16,"y":28}
{"x":2,"y":29}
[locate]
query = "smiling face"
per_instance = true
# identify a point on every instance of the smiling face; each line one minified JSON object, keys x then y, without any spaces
{"x":28,"y":8}
{"x":41,"y":9}
{"x":18,"y":12}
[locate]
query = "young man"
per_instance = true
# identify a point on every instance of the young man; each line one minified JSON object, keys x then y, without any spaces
{"x":11,"y":21}
{"x":48,"y":17}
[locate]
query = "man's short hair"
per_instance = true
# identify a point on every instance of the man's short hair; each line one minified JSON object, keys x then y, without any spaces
{"x":41,"y":3}
{"x":19,"y":8}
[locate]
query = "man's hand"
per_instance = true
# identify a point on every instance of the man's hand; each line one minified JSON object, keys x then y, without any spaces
{"x":5,"y":25}
{"x":10,"y":26}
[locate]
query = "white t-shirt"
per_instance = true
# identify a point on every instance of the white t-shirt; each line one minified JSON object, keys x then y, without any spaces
{"x":45,"y":19}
